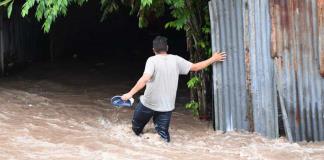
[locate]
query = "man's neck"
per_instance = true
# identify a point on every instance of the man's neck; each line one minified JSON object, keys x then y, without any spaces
{"x":163,"y":53}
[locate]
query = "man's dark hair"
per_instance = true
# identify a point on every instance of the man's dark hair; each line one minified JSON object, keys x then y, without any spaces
{"x":160,"y":44}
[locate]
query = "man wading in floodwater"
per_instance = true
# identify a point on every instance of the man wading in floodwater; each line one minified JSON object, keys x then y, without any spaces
{"x":161,"y":76}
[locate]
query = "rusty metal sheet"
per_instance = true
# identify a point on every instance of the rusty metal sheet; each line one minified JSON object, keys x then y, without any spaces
{"x":296,"y":42}
{"x":290,"y":31}
{"x":264,"y":99}
{"x":320,"y":13}
{"x":244,"y":87}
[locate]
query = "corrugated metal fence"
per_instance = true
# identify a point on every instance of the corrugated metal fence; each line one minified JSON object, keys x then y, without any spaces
{"x":270,"y":43}
{"x":230,"y":76}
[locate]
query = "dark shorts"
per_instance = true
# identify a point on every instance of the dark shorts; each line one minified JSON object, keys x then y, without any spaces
{"x":161,"y":121}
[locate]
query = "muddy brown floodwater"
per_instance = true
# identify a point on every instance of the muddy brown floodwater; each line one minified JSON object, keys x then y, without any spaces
{"x":62,"y":112}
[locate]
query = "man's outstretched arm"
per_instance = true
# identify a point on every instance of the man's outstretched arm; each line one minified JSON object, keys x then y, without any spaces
{"x":138,"y":86}
{"x":217,"y":57}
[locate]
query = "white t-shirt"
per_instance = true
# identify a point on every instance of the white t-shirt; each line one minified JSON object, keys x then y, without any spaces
{"x":161,"y":90}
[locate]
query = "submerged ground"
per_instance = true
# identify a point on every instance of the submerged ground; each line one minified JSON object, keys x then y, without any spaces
{"x":61,"y":111}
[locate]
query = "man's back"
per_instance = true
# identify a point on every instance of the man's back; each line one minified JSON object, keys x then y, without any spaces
{"x":160,"y":92}
{"x":161,"y":80}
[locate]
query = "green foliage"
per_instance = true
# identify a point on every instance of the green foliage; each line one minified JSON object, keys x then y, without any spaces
{"x":46,"y":10}
{"x":108,"y":7}
{"x":202,"y":44}
{"x":206,"y":30}
{"x":5,"y":2}
{"x":193,"y":82}
{"x":49,"y":10}
{"x":180,"y":13}
{"x":193,"y":106}
{"x":176,"y":3}
{"x":9,"y":9}
{"x":148,"y":9}
{"x":142,"y":22}
{"x":145,"y":3}
{"x":8,"y":4}
{"x":180,"y":22}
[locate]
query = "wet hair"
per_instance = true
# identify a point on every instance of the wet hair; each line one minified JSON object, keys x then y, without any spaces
{"x":160,"y":44}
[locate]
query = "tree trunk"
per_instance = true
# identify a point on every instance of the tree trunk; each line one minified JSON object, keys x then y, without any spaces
{"x":203,"y":111}
{"x":191,"y":53}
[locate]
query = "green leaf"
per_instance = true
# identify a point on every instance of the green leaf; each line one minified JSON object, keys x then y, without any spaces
{"x":40,"y":10}
{"x":176,"y":3}
{"x":47,"y":24}
{"x":193,"y":106}
{"x":145,"y":3}
{"x":5,"y":2}
{"x":9,"y":9}
{"x":193,"y":82}
{"x":142,"y":22}
{"x":181,"y":16}
{"x":206,"y":30}
{"x":25,"y":9}
{"x":202,"y":44}
{"x":108,"y":6}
